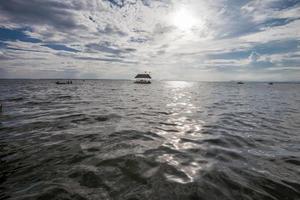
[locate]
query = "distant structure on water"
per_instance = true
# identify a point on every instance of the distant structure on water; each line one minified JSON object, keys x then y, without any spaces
{"x":143,"y":78}
{"x":63,"y":83}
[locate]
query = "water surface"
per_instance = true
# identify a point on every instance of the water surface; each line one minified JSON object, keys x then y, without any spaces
{"x":101,"y":139}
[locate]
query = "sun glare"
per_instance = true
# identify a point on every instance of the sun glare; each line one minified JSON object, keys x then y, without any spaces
{"x":183,"y":19}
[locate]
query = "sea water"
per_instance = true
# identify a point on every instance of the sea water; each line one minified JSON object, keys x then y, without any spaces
{"x":112,"y":139}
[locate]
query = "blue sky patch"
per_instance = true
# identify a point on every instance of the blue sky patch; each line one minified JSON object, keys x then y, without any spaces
{"x":2,"y":44}
{"x":275,"y":47}
{"x":16,"y":35}
{"x":231,"y":55}
{"x":60,"y":47}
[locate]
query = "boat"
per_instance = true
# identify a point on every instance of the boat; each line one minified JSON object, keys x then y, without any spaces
{"x":143,"y":78}
{"x":63,"y":83}
{"x":240,"y":82}
{"x":271,"y":83}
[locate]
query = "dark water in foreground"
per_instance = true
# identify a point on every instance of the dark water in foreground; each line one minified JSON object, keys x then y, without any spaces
{"x":168,"y":140}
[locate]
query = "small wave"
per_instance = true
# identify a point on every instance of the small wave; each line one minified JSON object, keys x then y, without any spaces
{"x":88,"y":119}
{"x":56,"y":192}
{"x":15,"y":99}
{"x":71,"y":116}
{"x":135,"y":168}
{"x":88,"y":178}
{"x":216,"y":141}
{"x":163,"y":113}
{"x":35,"y":103}
{"x":168,"y":130}
{"x":64,"y":97}
{"x":292,"y":160}
{"x":168,"y":124}
{"x":135,"y":135}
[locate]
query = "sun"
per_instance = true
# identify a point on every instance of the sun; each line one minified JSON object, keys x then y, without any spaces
{"x":183,"y":19}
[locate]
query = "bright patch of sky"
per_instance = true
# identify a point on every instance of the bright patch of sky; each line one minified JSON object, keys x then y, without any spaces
{"x":211,"y":40}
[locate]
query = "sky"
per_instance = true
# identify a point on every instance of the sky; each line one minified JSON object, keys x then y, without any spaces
{"x":198,"y":40}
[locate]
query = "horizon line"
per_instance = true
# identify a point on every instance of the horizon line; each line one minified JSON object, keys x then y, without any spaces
{"x":123,"y":79}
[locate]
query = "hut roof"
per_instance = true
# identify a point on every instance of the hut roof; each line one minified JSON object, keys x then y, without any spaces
{"x":143,"y":76}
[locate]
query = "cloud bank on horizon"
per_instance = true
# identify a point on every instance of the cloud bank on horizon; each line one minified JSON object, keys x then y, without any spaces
{"x":180,"y":40}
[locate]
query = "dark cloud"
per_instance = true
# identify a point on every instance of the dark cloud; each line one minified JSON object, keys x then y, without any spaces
{"x":111,"y":30}
{"x":60,"y":47}
{"x":162,"y":29}
{"x":51,"y":12}
{"x":139,"y":39}
{"x":138,"y":31}
{"x":105,"y":59}
{"x":26,"y":50}
{"x":160,"y":52}
{"x":118,"y":3}
{"x":122,"y":3}
{"x":295,"y":56}
{"x":107,"y":47}
{"x":3,"y":56}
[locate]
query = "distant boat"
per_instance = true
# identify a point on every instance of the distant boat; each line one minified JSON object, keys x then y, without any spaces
{"x":143,"y":78}
{"x":63,"y":83}
{"x":240,"y":82}
{"x":270,"y":83}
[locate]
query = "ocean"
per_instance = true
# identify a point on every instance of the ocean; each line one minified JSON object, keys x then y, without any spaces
{"x":170,"y":140}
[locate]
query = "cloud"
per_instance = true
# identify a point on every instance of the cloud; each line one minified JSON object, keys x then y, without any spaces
{"x":3,"y":56}
{"x":109,"y":30}
{"x":56,"y":13}
{"x":42,"y":73}
{"x":108,"y":47}
{"x":109,"y":60}
{"x":254,"y":57}
{"x":60,"y":47}
{"x":139,"y":39}
{"x":117,"y":38}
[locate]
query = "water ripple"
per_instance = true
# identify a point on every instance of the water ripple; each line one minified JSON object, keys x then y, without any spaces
{"x":168,"y":140}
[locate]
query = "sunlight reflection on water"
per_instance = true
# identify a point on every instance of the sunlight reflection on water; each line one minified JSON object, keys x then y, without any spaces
{"x":181,"y":125}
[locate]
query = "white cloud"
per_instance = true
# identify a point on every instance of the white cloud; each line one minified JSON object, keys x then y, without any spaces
{"x":254,"y":56}
{"x":116,"y":40}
